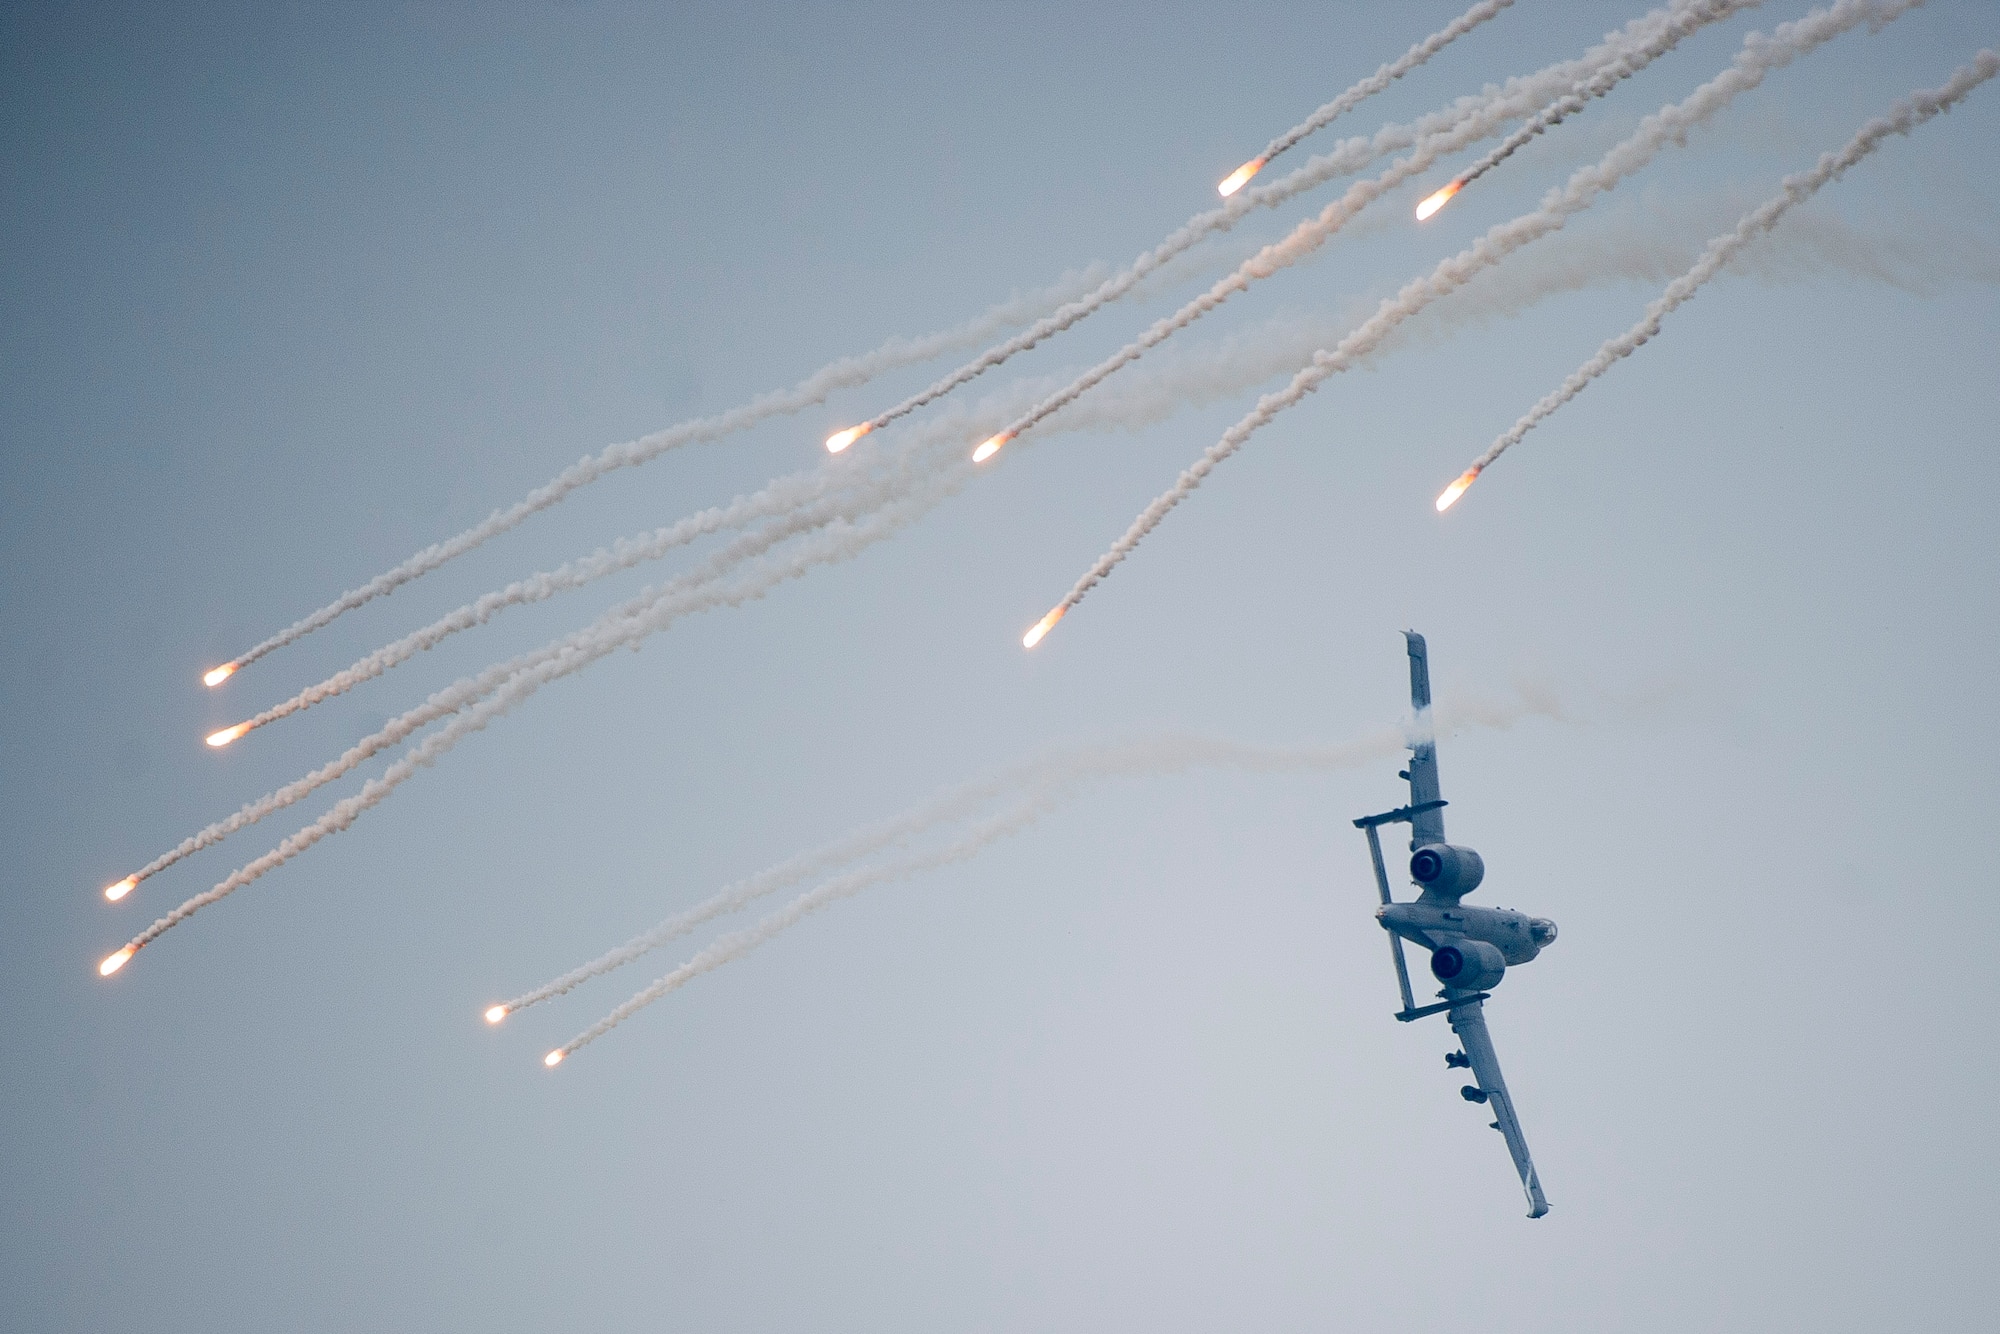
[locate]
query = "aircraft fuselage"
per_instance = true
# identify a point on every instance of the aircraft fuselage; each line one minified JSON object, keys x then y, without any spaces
{"x":1471,"y":948}
{"x":1516,"y":935}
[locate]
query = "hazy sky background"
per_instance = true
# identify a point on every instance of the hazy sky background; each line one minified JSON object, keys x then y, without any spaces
{"x":292,"y":292}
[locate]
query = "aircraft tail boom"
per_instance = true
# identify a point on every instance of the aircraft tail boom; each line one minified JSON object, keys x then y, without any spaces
{"x":1426,"y":826}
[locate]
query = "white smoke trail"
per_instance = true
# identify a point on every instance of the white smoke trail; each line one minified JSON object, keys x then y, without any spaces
{"x":829,"y":540}
{"x":1315,"y":232}
{"x":832,"y":510}
{"x":1901,"y":119}
{"x":1655,"y":241}
{"x":1052,"y":772}
{"x":1239,"y":364}
{"x":1235,"y":364}
{"x":1200,"y":376}
{"x":1376,"y":82}
{"x":732,"y":898}
{"x":439,"y":705}
{"x":1599,"y":84}
{"x":1518,"y":97}
{"x":814,"y":389}
{"x":464,"y":692}
{"x":1670,"y":124}
{"x":1650,"y":243}
{"x":740,"y":943}
{"x":919,"y":480}
{"x":827,"y":508}
{"x":1636,"y":248}
{"x":1089,"y":285}
{"x":777,"y":497}
{"x":1049,"y":784}
{"x":784,"y":496}
{"x":1918,"y":253}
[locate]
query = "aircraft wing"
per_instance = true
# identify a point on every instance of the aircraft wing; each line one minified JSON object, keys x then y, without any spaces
{"x":1469,"y":1022}
{"x":1425,"y":826}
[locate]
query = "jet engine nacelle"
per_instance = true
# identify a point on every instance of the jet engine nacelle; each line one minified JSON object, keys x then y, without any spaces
{"x":1468,"y":965}
{"x":1442,"y":868}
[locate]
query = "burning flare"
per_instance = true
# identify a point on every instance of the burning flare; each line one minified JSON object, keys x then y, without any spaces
{"x":227,"y":734}
{"x":496,"y":1014}
{"x":122,"y":888}
{"x":991,"y":446}
{"x":1042,"y":627}
{"x":1438,"y":200}
{"x":554,"y":1058}
{"x":1237,"y":179}
{"x":1457,"y":489}
{"x":113,"y":962}
{"x":840,"y":440}
{"x":215,"y":676}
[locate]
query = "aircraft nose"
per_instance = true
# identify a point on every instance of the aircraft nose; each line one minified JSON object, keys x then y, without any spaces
{"x":1542,"y":931}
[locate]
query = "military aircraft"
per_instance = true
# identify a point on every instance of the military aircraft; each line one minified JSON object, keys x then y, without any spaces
{"x":1470,"y":946}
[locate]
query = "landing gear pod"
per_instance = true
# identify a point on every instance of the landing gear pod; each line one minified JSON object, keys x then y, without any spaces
{"x":1447,"y":871}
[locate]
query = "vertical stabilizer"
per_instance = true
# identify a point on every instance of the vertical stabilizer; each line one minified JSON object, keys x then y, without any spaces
{"x":1426,"y":826}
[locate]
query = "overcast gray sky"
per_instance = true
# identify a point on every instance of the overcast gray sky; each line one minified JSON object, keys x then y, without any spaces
{"x":290,"y":293}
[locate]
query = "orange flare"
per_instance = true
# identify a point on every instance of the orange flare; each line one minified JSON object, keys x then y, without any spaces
{"x":227,"y":734}
{"x":991,"y":446}
{"x":1042,"y":627}
{"x":554,"y":1058}
{"x":1438,"y":200}
{"x":215,"y":676}
{"x":113,"y":962}
{"x":122,"y":888}
{"x":496,"y":1014}
{"x":1235,"y":180}
{"x":840,"y":440}
{"x":1457,"y":488}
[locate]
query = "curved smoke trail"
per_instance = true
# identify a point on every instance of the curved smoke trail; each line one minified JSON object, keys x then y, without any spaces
{"x":1013,"y":820}
{"x":1901,"y":119}
{"x":1310,"y":235}
{"x":1597,"y":85}
{"x":925,"y":471}
{"x":838,"y":537}
{"x":784,"y":496}
{"x":1367,"y":88}
{"x":529,"y":671}
{"x":838,"y":508}
{"x":1238,"y":364}
{"x":740,"y":943}
{"x":1047,"y":785}
{"x":1148,"y":397}
{"x":1052,"y":772}
{"x":814,"y":389}
{"x":1523,"y":94}
{"x":1670,"y":124}
{"x":1520,"y":96}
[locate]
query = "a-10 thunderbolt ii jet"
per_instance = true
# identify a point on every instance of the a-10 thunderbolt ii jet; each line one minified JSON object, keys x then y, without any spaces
{"x":1470,"y":947}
